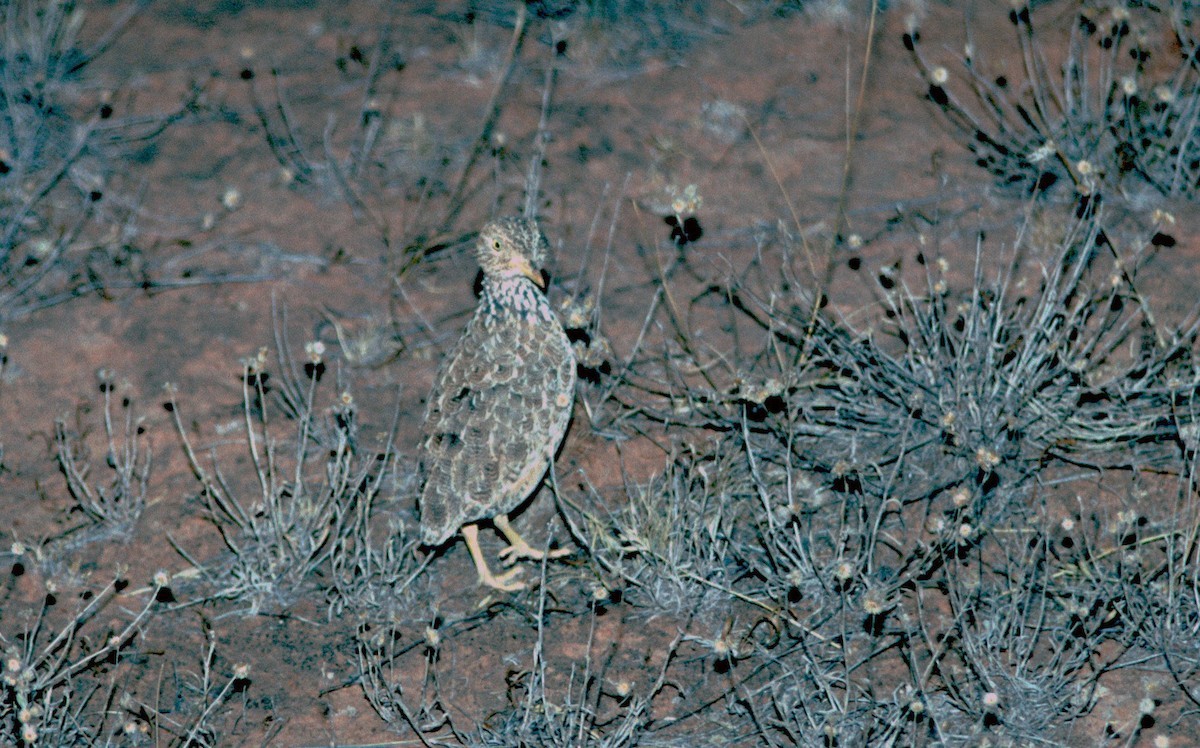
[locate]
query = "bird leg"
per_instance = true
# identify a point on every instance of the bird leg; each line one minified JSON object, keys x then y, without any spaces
{"x":518,"y":548}
{"x":502,"y":582}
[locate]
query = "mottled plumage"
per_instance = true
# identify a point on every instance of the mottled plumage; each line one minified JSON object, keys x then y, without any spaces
{"x":501,"y":402}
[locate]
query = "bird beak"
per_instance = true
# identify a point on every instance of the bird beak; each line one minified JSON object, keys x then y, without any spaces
{"x":525,"y":268}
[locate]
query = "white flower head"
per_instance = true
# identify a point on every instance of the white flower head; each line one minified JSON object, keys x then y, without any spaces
{"x":314,"y":349}
{"x":1043,"y":152}
{"x":231,"y":198}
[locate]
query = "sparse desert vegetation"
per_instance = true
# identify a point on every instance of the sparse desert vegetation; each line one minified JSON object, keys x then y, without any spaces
{"x":886,"y":425}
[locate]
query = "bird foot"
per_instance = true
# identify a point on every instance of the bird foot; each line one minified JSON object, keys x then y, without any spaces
{"x":518,"y":548}
{"x":502,"y":582}
{"x":518,"y":551}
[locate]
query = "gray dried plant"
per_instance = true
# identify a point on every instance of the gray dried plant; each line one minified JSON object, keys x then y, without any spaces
{"x":1119,"y":117}
{"x":306,"y":489}
{"x":65,"y":146}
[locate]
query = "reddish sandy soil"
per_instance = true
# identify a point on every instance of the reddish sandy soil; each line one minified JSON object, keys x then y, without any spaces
{"x":752,"y":108}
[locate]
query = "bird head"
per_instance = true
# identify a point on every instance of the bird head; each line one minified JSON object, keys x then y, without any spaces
{"x":512,"y":248}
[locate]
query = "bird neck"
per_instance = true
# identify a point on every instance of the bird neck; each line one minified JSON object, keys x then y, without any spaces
{"x":508,"y":296}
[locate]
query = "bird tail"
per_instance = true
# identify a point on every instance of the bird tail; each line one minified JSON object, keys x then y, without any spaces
{"x":435,"y":529}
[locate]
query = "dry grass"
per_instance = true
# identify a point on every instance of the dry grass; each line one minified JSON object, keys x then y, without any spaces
{"x":68,"y":224}
{"x":304,"y":507}
{"x":948,"y":518}
{"x":1117,"y":117}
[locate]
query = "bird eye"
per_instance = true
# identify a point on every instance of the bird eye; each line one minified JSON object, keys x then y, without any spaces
{"x":495,"y":244}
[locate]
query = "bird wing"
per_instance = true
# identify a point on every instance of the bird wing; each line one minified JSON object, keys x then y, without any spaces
{"x":493,"y":422}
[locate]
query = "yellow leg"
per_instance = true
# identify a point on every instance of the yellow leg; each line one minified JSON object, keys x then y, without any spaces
{"x":471,"y":535}
{"x":518,"y":548}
